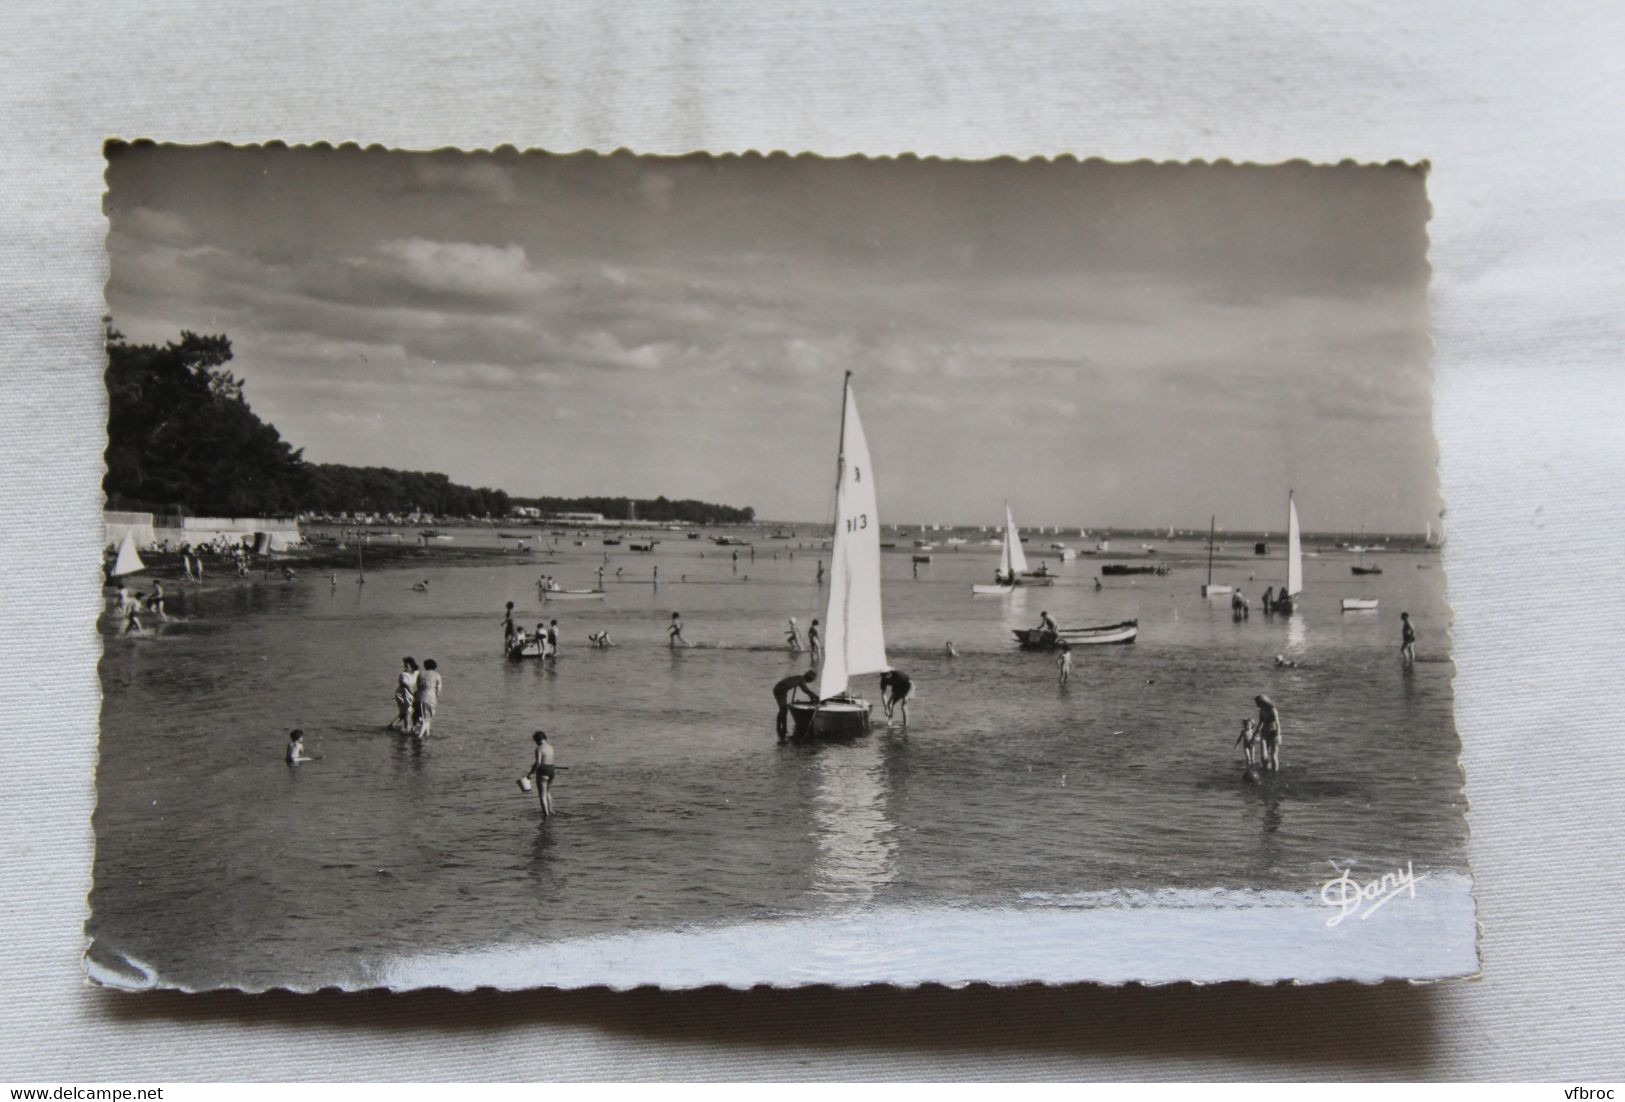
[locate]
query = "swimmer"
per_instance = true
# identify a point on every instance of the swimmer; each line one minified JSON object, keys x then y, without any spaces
{"x":951,"y":652}
{"x":1282,"y":662}
{"x":296,"y":748}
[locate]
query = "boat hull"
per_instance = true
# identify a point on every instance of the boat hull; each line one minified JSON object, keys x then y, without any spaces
{"x":1365,"y":569}
{"x":1359,"y":604}
{"x":1107,"y":635}
{"x":572,"y":594}
{"x":1217,"y":590}
{"x":831,"y":718}
{"x":991,"y":590}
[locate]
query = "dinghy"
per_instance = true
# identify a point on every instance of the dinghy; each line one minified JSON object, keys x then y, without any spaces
{"x":1211,"y":590}
{"x":854,"y":638}
{"x":572,"y":594}
{"x":128,"y":562}
{"x":1359,"y":604}
{"x":1288,"y":601}
{"x":1012,"y":569}
{"x":1038,"y":639}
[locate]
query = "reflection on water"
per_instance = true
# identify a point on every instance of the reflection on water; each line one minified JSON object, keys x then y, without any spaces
{"x":1297,"y":628}
{"x":855,"y":836}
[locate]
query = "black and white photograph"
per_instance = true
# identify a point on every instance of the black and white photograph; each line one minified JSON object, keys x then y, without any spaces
{"x":566,"y":570}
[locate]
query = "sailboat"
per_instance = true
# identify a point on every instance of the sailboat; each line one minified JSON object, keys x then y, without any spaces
{"x":854,"y":639}
{"x":1012,"y":563}
{"x":1361,"y":567}
{"x":1211,"y":590}
{"x":128,"y":562}
{"x":1288,"y":600}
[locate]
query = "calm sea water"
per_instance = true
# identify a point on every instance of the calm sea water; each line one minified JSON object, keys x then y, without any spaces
{"x":218,"y":864}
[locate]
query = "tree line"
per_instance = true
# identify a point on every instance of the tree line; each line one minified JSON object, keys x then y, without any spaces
{"x":181,"y":439}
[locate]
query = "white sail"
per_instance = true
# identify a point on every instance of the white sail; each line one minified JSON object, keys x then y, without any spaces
{"x":1014,"y":559}
{"x":1294,"y":550}
{"x":128,"y":561}
{"x":854,"y":641}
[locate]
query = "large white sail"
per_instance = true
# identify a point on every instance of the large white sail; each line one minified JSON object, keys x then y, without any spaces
{"x":1014,"y":560}
{"x":1294,"y":550}
{"x":128,"y":561}
{"x":854,"y":641}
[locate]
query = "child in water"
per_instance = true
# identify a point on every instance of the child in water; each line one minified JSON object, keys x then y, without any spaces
{"x":1063,"y":662}
{"x":296,"y":747}
{"x":674,"y":633}
{"x":600,"y":639}
{"x":1248,"y":741}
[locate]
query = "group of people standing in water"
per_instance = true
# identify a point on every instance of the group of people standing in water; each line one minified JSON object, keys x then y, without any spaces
{"x":417,"y":694}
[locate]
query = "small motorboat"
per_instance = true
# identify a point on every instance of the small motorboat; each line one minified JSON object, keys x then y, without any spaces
{"x":1038,"y":639}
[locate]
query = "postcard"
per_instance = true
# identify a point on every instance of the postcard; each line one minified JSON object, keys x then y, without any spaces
{"x":565,"y":570}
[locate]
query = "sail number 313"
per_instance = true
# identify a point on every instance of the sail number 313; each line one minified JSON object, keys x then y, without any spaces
{"x":857,"y":523}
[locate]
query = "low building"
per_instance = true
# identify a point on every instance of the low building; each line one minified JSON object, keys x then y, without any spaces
{"x":150,"y":531}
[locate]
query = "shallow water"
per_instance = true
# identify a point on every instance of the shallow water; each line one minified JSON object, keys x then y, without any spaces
{"x":217,"y":863}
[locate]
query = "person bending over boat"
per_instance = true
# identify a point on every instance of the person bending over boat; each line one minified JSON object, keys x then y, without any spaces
{"x":786,"y":688}
{"x":1047,"y":626}
{"x":674,"y":633}
{"x":1269,"y":729}
{"x":895,"y":688}
{"x":1407,"y":639}
{"x":543,"y":770}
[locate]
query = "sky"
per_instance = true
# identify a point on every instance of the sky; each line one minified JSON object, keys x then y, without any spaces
{"x":1128,"y":345}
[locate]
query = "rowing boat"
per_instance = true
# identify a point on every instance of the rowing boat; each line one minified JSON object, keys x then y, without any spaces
{"x":1039,"y":639}
{"x":572,"y":594}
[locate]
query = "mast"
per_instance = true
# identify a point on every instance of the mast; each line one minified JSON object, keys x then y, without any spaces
{"x":1211,"y":521}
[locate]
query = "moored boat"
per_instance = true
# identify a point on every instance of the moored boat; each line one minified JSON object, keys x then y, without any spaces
{"x":1359,"y":604}
{"x":1106,"y":634}
{"x":572,"y":594}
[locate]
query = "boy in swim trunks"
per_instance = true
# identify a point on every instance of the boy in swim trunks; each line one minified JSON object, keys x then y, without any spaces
{"x":543,"y":770}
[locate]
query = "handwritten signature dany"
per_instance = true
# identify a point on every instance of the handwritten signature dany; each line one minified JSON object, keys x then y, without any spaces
{"x":1348,"y":895}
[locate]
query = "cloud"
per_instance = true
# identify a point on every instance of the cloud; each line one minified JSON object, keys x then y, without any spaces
{"x":460,"y":268}
{"x":463,"y":176}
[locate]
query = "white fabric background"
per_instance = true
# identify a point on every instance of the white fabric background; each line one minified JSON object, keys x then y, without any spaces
{"x":1521,"y":109}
